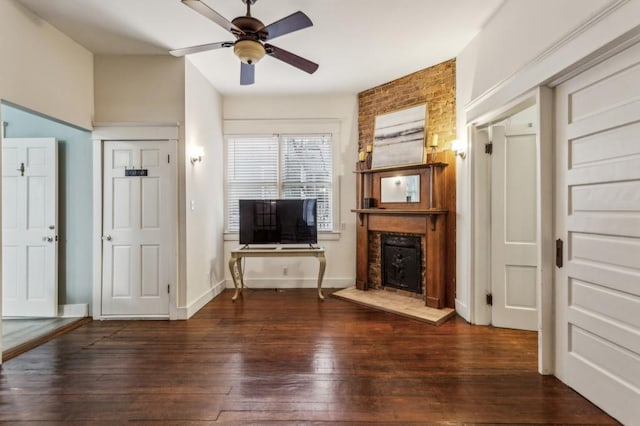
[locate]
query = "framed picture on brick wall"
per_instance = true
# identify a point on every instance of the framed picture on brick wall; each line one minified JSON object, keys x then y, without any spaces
{"x":399,"y":137}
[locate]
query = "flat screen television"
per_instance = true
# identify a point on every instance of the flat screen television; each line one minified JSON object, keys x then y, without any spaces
{"x":278,"y":221}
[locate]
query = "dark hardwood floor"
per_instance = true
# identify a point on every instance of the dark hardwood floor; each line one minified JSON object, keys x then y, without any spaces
{"x":286,"y":357}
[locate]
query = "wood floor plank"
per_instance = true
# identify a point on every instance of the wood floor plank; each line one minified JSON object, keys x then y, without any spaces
{"x":285,"y":357}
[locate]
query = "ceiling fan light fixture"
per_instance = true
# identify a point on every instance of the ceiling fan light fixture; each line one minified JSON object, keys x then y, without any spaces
{"x":249,"y":51}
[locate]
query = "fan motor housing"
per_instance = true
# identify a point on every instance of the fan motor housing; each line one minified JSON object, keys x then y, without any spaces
{"x":253,"y":28}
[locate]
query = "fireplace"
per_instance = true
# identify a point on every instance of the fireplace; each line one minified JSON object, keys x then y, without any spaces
{"x":428,"y":223}
{"x":401,"y":259}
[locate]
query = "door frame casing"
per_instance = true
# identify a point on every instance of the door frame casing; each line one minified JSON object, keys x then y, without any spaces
{"x":480,"y":214}
{"x":104,"y":132}
{"x":542,"y":98}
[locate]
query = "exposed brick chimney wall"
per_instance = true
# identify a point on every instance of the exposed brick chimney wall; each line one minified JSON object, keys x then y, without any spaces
{"x":436,"y":86}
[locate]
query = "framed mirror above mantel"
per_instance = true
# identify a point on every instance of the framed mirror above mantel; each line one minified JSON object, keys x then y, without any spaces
{"x":415,"y":187}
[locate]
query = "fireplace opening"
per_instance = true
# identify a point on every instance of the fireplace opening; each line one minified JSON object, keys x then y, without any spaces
{"x":402,"y":262}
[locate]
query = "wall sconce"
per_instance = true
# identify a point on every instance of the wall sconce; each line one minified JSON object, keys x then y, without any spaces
{"x":196,"y":154}
{"x":459,"y":147}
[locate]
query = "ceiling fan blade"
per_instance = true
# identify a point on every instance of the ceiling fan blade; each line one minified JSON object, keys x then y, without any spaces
{"x":291,"y":59}
{"x":247,"y":74}
{"x":288,"y":24}
{"x":201,"y":48}
{"x":207,"y":12}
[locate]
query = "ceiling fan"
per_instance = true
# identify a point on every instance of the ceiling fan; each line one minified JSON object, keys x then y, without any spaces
{"x":251,"y":37}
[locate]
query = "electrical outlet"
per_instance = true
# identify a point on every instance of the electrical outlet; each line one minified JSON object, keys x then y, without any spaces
{"x":285,"y":270}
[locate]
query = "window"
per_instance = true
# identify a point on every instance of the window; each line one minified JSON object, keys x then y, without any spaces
{"x":290,"y":166}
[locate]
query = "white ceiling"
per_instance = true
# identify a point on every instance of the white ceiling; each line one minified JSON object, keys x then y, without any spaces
{"x":359,"y":44}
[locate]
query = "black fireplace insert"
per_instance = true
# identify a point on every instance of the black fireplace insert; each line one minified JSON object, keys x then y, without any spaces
{"x":402,"y":262}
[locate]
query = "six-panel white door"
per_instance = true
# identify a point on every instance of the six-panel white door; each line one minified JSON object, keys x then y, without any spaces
{"x":137,"y":232}
{"x":598,"y":218}
{"x":514,"y":247}
{"x":29,"y":227}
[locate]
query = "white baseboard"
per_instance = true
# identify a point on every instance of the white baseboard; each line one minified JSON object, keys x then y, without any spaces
{"x":262,"y":283}
{"x":134,"y":318}
{"x":187,"y":312}
{"x":78,"y":310}
{"x":462,"y":309}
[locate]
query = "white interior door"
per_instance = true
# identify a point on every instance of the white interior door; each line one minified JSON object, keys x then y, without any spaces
{"x":598,"y":218}
{"x":29,"y":227}
{"x":138,"y":228}
{"x":514,"y":248}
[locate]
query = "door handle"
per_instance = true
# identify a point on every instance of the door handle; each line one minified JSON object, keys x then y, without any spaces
{"x":47,"y":239}
{"x":106,"y":237}
{"x":559,"y":253}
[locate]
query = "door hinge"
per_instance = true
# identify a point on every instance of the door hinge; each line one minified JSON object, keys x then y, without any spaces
{"x":169,"y":288}
{"x":488,"y":148}
{"x":490,"y":299}
{"x":559,"y":253}
{"x":168,"y":158}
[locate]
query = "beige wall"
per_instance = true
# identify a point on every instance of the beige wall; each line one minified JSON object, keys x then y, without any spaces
{"x":43,"y":69}
{"x":340,"y":249}
{"x":204,"y":191}
{"x":139,"y":88}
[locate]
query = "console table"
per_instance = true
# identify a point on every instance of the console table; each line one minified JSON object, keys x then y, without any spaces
{"x":235,"y":266}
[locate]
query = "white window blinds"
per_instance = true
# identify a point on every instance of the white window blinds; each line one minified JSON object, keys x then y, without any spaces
{"x":282,"y":166}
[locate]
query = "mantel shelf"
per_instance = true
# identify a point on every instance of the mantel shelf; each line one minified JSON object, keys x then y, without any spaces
{"x":425,"y":212}
{"x":400,"y":168}
{"x":431,"y":213}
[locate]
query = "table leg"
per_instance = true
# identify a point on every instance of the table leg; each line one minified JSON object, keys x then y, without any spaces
{"x":323,"y":265}
{"x":240,"y":272}
{"x":233,"y":264}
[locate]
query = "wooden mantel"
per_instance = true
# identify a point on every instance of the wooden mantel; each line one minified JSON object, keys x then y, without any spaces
{"x":431,"y":213}
{"x":428,"y":218}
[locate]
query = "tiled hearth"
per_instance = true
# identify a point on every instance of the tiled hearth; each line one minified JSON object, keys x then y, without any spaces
{"x":396,"y":303}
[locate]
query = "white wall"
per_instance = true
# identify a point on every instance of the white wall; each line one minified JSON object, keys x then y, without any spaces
{"x":341,"y":248}
{"x":524,"y":45}
{"x":204,"y":191}
{"x":517,"y":33}
{"x":42,"y":69}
